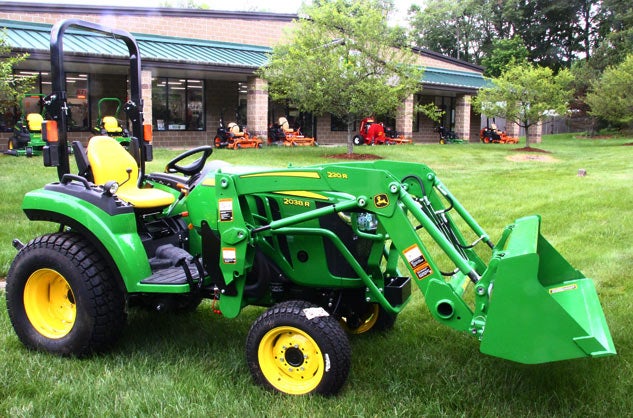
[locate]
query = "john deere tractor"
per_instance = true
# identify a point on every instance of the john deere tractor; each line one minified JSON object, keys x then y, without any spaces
{"x":327,"y":250}
{"x":27,"y":133}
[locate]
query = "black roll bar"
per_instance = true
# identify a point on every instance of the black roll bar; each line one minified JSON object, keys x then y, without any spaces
{"x":58,"y":98}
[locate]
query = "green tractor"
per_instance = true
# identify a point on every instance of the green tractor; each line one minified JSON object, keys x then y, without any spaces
{"x":27,"y":133}
{"x":328,"y":250}
{"x":110,"y":124}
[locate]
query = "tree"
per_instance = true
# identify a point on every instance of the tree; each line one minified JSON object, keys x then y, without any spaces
{"x":12,"y":88}
{"x":611,"y":96}
{"x":505,"y":53}
{"x":526,"y":95}
{"x":342,"y":58}
{"x":450,"y":27}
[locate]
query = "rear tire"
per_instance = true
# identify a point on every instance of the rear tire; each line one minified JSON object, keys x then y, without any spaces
{"x":62,"y":298}
{"x":358,"y":140}
{"x":297,"y":348}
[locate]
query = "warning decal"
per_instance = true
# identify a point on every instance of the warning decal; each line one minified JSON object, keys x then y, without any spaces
{"x":418,"y":263}
{"x":228,"y":255}
{"x":414,"y":256}
{"x":225,"y":207}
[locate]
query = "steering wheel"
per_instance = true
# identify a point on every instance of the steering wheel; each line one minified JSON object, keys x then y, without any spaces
{"x":193,"y":168}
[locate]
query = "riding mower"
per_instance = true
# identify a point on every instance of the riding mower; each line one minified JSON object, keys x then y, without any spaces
{"x":234,"y":137}
{"x":374,"y":133}
{"x":447,"y":136}
{"x":111,"y":125}
{"x":491,"y":135}
{"x":329,"y":250}
{"x":27,"y":133}
{"x":282,"y":134}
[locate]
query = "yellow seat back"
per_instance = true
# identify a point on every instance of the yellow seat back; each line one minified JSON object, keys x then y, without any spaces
{"x":111,"y":125}
{"x":34,"y":121}
{"x":109,"y":161}
{"x":283,"y":122}
{"x":234,"y":128}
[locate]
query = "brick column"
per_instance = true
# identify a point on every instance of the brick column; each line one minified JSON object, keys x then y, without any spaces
{"x":462,"y":117}
{"x":512,"y":129}
{"x":404,"y":118}
{"x":146,"y":86}
{"x":257,"y":108}
{"x":534,"y":133}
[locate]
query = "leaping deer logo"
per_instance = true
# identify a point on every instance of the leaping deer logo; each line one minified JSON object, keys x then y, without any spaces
{"x":381,"y":200}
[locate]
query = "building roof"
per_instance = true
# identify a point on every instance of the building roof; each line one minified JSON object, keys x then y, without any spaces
{"x":173,"y":51}
{"x":437,"y":77}
{"x":35,"y":37}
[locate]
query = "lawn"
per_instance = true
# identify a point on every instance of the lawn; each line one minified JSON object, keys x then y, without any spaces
{"x":194,"y":364}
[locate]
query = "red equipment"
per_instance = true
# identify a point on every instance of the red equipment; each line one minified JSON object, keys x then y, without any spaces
{"x":374,"y":133}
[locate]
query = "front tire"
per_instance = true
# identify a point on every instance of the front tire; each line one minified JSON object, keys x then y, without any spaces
{"x":358,"y":140}
{"x":297,"y":348}
{"x":374,"y":319}
{"x":61,"y":297}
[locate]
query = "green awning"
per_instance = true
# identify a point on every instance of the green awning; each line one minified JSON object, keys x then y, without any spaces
{"x":452,"y":78}
{"x":35,"y":37}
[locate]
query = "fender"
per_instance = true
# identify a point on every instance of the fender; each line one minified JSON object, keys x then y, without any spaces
{"x":111,"y":228}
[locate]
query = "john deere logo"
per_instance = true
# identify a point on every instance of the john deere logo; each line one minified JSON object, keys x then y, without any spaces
{"x":381,"y":200}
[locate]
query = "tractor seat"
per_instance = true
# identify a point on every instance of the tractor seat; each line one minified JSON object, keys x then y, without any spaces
{"x":34,"y":122}
{"x":110,"y":161}
{"x":234,"y":128}
{"x":285,"y":126}
{"x":111,"y":125}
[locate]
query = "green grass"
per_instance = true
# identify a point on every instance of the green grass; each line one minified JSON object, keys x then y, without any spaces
{"x":194,"y":365}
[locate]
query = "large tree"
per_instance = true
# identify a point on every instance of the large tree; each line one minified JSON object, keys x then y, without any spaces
{"x":611,"y":96}
{"x":526,"y":95}
{"x":555,"y":32}
{"x":344,"y":59}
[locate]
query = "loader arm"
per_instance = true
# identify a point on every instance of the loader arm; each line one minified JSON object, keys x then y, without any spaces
{"x":413,"y":212}
{"x":370,"y":189}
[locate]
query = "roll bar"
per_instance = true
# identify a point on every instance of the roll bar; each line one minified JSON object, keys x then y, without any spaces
{"x":57,"y":101}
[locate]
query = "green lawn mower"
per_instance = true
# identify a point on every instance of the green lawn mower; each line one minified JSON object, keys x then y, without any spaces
{"x":110,"y":124}
{"x":328,"y":250}
{"x":27,"y":133}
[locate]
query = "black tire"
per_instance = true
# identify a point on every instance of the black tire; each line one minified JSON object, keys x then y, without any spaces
{"x":62,"y":298}
{"x":297,"y":348}
{"x":375,"y":319}
{"x":358,"y":140}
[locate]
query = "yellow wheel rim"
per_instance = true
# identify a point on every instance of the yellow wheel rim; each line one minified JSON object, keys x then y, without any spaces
{"x":291,"y":360}
{"x":368,"y":324}
{"x":49,"y":303}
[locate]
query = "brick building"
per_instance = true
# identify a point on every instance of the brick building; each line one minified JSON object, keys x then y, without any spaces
{"x":199,"y":65}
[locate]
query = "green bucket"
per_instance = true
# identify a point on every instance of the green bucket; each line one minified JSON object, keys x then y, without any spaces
{"x":541,"y":309}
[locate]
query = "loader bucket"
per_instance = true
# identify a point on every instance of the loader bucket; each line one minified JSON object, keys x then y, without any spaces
{"x":541,"y":309}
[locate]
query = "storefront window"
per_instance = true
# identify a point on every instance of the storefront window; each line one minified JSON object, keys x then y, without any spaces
{"x":77,"y":99}
{"x":338,"y":124}
{"x":177,"y":104}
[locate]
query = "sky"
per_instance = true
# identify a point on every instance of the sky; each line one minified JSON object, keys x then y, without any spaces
{"x":278,"y":6}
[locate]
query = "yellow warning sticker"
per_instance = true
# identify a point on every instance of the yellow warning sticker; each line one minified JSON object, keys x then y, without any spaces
{"x":563,"y":288}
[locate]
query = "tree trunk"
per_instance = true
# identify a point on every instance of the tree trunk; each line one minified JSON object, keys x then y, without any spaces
{"x":350,"y":134}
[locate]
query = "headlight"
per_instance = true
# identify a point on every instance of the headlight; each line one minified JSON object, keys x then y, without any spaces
{"x":110,"y":188}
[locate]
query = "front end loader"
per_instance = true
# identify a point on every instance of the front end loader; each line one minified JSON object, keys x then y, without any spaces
{"x":328,"y":250}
